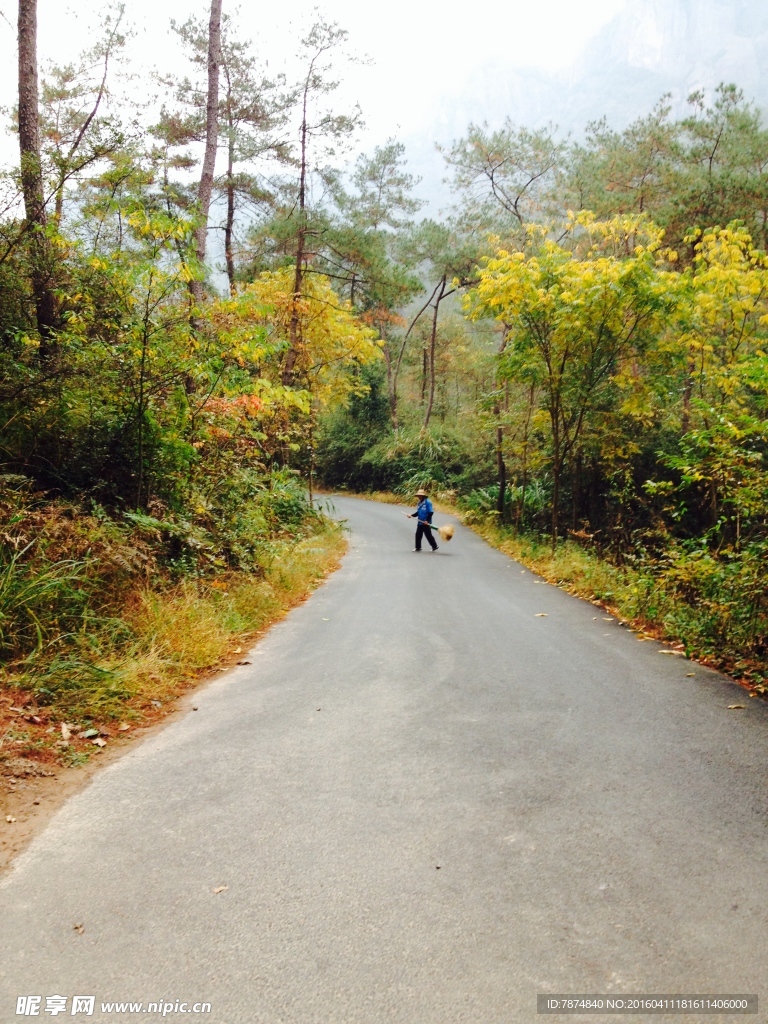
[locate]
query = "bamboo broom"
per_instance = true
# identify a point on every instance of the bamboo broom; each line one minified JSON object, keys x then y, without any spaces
{"x":446,"y":532}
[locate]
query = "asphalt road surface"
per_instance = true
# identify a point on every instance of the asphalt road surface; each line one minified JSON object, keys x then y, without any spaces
{"x":429,"y":802}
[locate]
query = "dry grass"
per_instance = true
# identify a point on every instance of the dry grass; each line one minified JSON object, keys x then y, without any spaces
{"x":196,"y":628}
{"x":573,"y":569}
{"x":177,"y":636}
{"x":633,"y":596}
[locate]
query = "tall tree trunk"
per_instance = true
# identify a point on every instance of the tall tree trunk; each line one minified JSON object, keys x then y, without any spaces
{"x":393,"y":389}
{"x":29,"y":121}
{"x":576,"y":474}
{"x":311,"y":453}
{"x":205,"y":189}
{"x":432,"y":346}
{"x":555,"y":501}
{"x":32,"y":178}
{"x":520,"y":514}
{"x":230,"y":222}
{"x":557,"y":466}
{"x":501,"y":465}
{"x":685,"y":419}
{"x":294,"y":329}
{"x":391,"y":382}
{"x":401,"y":353}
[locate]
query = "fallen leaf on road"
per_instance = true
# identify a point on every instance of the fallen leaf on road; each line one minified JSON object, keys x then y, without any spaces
{"x":541,"y":615}
{"x":245,"y":663}
{"x":237,"y":650}
{"x":66,"y":732}
{"x":690,"y":675}
{"x":10,"y":819}
{"x":326,"y":620}
{"x":736,"y":707}
{"x":99,"y":742}
{"x":607,"y":618}
{"x":221,"y":888}
{"x":79,"y":928}
{"x":123,"y":727}
{"x":682,"y":653}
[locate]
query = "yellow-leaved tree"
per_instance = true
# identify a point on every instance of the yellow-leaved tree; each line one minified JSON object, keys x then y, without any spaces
{"x":332,"y":345}
{"x":722,"y":341}
{"x":726,"y":319}
{"x":575,"y":318}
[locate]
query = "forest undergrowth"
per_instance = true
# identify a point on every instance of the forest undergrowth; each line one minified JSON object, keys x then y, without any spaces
{"x":103,"y":640}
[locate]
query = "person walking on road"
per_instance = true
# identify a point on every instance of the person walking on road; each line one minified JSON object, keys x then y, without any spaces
{"x":424,"y":513}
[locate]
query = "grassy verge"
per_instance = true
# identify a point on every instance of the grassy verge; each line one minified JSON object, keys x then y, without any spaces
{"x":716,"y":632}
{"x":128,"y":671}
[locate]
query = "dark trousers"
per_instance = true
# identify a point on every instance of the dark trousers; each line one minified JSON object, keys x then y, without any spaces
{"x":423,"y":530}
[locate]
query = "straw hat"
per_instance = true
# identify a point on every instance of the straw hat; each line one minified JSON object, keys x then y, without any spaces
{"x":421,"y":493}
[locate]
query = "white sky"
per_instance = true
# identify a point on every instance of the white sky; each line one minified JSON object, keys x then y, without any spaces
{"x":422,"y":51}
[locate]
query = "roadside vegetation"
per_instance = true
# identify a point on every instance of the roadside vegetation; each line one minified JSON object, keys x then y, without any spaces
{"x":585,"y":371}
{"x":103,"y":643}
{"x":156,"y":454}
{"x":664,"y":601}
{"x":207,"y":306}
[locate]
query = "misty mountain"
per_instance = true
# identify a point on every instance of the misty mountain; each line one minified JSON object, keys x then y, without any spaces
{"x":676,"y":46}
{"x":650,"y":48}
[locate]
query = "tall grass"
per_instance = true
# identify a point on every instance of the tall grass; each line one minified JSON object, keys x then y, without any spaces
{"x":27,"y":592}
{"x":167,"y":637}
{"x":106,"y":618}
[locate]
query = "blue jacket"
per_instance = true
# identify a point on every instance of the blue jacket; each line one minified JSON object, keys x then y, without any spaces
{"x":425,"y":511}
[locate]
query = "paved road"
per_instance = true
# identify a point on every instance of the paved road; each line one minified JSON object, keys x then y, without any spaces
{"x":428,"y":804}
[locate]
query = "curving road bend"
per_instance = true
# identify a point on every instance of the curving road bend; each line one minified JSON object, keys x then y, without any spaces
{"x":429,"y":802}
